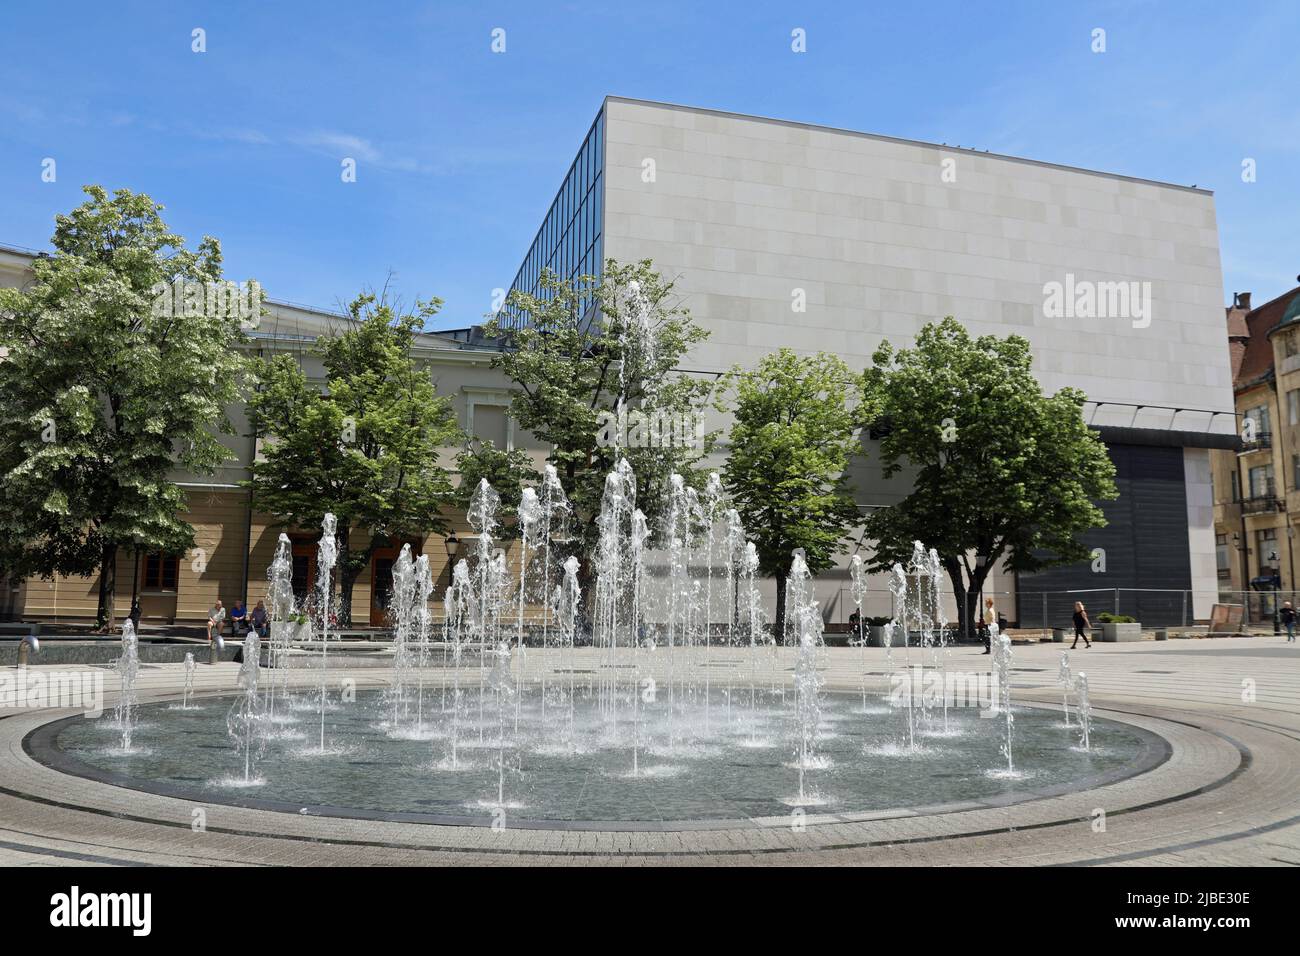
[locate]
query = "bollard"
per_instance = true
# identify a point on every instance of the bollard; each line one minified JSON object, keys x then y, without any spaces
{"x":26,"y":647}
{"x":215,"y":647}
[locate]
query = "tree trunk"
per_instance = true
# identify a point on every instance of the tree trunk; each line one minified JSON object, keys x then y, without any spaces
{"x":967,"y":595}
{"x":107,"y":589}
{"x":778,"y":623}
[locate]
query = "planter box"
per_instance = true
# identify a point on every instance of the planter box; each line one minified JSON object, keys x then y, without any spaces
{"x":1112,"y":633}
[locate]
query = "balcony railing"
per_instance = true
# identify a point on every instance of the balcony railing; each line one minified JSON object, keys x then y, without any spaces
{"x":1263,"y":441}
{"x":1260,"y":504}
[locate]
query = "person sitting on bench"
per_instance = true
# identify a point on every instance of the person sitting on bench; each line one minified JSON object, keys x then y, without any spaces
{"x":238,"y":619}
{"x":216,"y":618}
{"x":261,"y":623}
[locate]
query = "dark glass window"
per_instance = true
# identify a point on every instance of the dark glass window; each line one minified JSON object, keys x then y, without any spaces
{"x":160,"y":572}
{"x":570,"y":231}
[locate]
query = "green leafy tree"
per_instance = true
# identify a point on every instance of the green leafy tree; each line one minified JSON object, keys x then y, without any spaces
{"x":366,"y":448}
{"x":108,"y":385}
{"x":1002,"y":470}
{"x":507,"y":471}
{"x":586,"y":349}
{"x":792,"y":437}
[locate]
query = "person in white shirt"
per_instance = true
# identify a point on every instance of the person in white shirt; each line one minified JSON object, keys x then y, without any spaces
{"x":990,"y":617}
{"x":216,"y":617}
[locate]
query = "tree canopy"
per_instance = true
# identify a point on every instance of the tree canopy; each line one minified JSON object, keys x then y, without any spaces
{"x":793,"y":436}
{"x":365,"y":446}
{"x":587,"y":350}
{"x":108,"y":385}
{"x":1001,"y":469}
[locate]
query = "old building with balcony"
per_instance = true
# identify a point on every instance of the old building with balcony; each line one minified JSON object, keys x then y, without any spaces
{"x":1257,"y":487}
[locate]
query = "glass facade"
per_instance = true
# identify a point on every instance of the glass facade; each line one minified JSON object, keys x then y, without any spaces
{"x":569,"y":240}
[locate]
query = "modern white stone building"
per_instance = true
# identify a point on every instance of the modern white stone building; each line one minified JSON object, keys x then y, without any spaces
{"x":786,"y":234}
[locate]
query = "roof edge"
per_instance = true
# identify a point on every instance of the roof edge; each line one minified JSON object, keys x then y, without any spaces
{"x":906,"y":142}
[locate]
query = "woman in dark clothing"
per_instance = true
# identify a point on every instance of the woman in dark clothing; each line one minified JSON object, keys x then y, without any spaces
{"x":1081,"y":626}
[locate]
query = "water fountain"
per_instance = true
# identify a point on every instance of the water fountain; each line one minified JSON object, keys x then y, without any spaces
{"x":188,"y":694}
{"x":502,"y":687}
{"x":805,"y":623}
{"x":327,"y":554}
{"x":245,"y":721}
{"x":858,"y":575}
{"x":1002,"y":668}
{"x":530,"y":520}
{"x":404,"y":615}
{"x":283,"y":618}
{"x":1084,"y":710}
{"x":899,"y":591}
{"x":127,"y":667}
{"x":643,"y":734}
{"x":424,"y":626}
{"x":567,"y":599}
{"x":1066,"y":681}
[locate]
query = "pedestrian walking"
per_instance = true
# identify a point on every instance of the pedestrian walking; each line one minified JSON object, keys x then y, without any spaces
{"x":1082,"y":626}
{"x":1288,"y":620}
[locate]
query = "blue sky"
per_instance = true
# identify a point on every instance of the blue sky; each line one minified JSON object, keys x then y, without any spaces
{"x":460,"y":150}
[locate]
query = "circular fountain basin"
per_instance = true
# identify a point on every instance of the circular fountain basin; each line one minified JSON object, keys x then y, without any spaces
{"x":699,"y":761}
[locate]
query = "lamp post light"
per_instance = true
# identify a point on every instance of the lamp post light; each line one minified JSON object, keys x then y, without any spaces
{"x":452,"y":544}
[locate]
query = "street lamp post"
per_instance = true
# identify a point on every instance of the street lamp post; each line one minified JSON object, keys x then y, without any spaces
{"x":452,"y":544}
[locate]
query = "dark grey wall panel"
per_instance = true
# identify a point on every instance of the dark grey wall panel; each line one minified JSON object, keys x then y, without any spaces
{"x":1145,"y":541}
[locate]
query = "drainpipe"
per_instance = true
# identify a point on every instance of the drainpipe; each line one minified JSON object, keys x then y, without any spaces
{"x":248,"y":523}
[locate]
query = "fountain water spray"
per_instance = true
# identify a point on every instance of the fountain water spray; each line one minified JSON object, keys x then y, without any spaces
{"x":402,"y":612}
{"x":327,"y":554}
{"x":939,"y":620}
{"x":127,"y":667}
{"x":1084,"y":710}
{"x":1066,"y":681}
{"x":805,"y":621}
{"x":461,"y":612}
{"x":503,"y":687}
{"x":423,"y":625}
{"x":858,"y":575}
{"x":1002,"y":666}
{"x":754,"y":627}
{"x":530,"y":519}
{"x":567,"y":601}
{"x":283,"y":622}
{"x":614,"y":574}
{"x":244,"y":720}
{"x":898,"y":589}
{"x":188,"y":695}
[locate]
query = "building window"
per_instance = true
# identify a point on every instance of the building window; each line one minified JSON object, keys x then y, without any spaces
{"x":1259,"y":415}
{"x":1295,"y":472}
{"x":569,"y":240}
{"x":1266,"y":549}
{"x":1289,"y":343}
{"x":1261,"y":481}
{"x":1293,"y":406}
{"x":1236,"y":486}
{"x":1222,"y":556}
{"x":160,"y":572}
